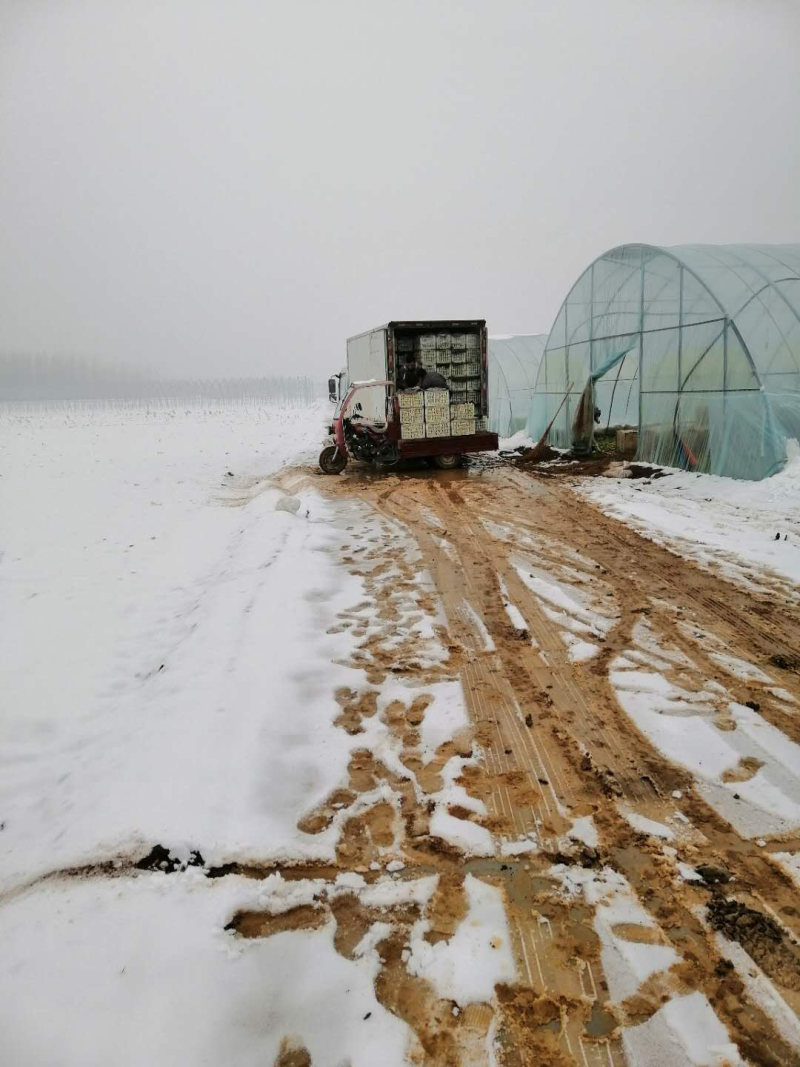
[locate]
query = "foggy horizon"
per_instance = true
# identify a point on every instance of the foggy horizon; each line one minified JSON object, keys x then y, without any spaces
{"x":205,"y":189}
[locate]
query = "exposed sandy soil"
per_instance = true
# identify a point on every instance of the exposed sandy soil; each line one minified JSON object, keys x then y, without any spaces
{"x":555,"y":745}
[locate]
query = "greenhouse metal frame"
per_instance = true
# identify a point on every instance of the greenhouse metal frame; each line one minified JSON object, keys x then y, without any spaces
{"x":696,"y":345}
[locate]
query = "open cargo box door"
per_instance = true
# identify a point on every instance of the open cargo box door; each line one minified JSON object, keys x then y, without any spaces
{"x":366,"y":362}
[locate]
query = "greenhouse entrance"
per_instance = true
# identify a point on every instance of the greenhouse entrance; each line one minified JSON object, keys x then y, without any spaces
{"x":604,"y":402}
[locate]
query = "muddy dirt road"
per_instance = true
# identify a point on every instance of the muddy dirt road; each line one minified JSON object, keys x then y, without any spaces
{"x":629,"y":762}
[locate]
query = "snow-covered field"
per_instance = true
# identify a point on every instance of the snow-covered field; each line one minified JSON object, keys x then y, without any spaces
{"x":170,"y":663}
{"x":750,"y":531}
{"x":166,"y":679}
{"x":144,"y":617}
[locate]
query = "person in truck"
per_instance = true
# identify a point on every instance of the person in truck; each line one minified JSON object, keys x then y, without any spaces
{"x":409,"y":373}
{"x":416,"y":377}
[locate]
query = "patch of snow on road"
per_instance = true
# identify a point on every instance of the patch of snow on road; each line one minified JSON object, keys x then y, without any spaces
{"x":662,"y":694}
{"x":739,"y":668}
{"x":647,"y":826}
{"x":444,"y":717}
{"x":781,"y":694}
{"x":688,"y":873}
{"x":515,"y":616}
{"x":501,"y":532}
{"x":584,"y":830}
{"x":768,"y":737}
{"x":685,"y":1032}
{"x":770,"y":798}
{"x":454,"y":794}
{"x":276,"y":895}
{"x":432,"y":518}
{"x":648,"y":645}
{"x":578,"y":651}
{"x":474,"y":618}
{"x":468,"y":837}
{"x":789,"y":862}
{"x":567,"y":604}
{"x":746,"y":768}
{"x":520,"y":846}
{"x":391,"y":892}
{"x":687,"y":740}
{"x":468,"y":966}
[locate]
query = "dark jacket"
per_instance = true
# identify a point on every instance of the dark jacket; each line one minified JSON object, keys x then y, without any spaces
{"x":409,"y":376}
{"x":433,"y":380}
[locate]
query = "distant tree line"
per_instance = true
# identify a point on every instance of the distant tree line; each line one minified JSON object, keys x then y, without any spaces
{"x":34,"y":377}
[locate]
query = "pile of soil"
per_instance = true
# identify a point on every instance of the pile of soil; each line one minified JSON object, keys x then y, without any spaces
{"x":541,"y":455}
{"x":740,"y":923}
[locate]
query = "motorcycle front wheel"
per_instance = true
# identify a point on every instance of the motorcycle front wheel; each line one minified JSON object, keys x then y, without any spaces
{"x":332,"y":460}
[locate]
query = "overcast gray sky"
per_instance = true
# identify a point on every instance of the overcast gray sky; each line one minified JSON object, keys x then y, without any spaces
{"x":235,"y":186}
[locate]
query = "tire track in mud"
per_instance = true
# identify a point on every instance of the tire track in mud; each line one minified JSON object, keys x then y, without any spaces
{"x":557,"y":746}
{"x":511,"y":816}
{"x":588,"y":727}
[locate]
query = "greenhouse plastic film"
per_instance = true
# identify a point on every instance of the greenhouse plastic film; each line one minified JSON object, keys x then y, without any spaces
{"x":698,"y":346}
{"x":513,"y":363}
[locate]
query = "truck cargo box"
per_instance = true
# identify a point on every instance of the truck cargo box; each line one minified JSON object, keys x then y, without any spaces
{"x":440,"y":423}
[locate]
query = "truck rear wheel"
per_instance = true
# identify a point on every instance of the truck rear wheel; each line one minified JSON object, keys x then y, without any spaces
{"x":447,"y":463}
{"x":332,"y":460}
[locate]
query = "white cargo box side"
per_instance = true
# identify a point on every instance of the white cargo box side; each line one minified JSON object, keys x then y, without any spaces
{"x":366,"y":361}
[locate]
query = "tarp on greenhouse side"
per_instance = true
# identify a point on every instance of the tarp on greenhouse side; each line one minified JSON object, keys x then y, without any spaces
{"x":697,"y":345}
{"x":513,"y":364}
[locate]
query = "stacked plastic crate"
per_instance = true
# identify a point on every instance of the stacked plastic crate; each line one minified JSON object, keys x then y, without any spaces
{"x":443,"y":354}
{"x":457,"y":358}
{"x":412,"y":414}
{"x":426,"y":353}
{"x":462,"y":413}
{"x":462,"y":419}
{"x":405,"y":348}
{"x":437,"y":413}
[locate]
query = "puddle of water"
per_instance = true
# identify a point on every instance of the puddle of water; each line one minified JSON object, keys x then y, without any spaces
{"x":601,"y":1023}
{"x":522,"y":887}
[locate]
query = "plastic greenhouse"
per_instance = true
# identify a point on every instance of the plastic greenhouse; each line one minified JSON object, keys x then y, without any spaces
{"x":513,"y":363}
{"x":697,"y":345}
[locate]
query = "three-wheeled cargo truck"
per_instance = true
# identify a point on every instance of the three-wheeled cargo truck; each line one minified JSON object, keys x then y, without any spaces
{"x":381,"y":418}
